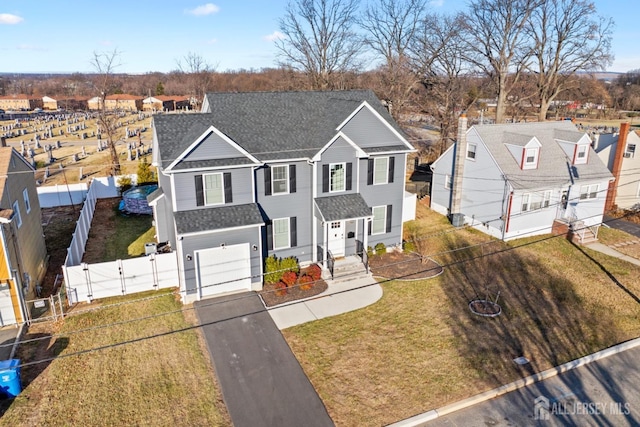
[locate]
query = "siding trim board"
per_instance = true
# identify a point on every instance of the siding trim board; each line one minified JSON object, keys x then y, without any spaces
{"x":204,"y":135}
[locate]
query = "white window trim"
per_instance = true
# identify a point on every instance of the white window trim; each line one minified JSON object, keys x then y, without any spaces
{"x":384,"y":220}
{"x":591,"y":193}
{"x":530,"y":164}
{"x":16,"y":213}
{"x":526,"y":206}
{"x":27,"y":202}
{"x":273,"y":180}
{"x":273,"y":231}
{"x":386,"y":172}
{"x":448,"y":182}
{"x":585,"y":158}
{"x":475,"y":151}
{"x":344,"y":181}
{"x":204,"y":188}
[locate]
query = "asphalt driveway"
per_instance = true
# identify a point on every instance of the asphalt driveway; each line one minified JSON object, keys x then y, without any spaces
{"x":261,"y":380}
{"x":622,"y":224}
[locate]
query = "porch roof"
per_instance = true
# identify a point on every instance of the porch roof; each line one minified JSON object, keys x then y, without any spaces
{"x":210,"y":219}
{"x":343,"y":206}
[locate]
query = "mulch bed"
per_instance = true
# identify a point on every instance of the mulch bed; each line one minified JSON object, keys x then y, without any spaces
{"x":294,"y":293}
{"x":403,"y":266}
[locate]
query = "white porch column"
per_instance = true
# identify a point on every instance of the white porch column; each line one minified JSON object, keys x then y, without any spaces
{"x":365,"y":237}
{"x":325,"y":249}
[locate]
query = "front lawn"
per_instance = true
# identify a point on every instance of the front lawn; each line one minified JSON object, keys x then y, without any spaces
{"x":420,"y":347}
{"x":156,"y":378}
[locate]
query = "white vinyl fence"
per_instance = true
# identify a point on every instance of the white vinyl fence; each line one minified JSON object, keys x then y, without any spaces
{"x":121,"y":277}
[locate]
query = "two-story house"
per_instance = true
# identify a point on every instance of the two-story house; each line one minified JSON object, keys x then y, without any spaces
{"x":315,"y":175}
{"x":620,"y":151}
{"x":23,"y":253}
{"x":516,"y":180}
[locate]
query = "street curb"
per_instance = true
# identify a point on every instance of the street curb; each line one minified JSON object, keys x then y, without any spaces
{"x":420,"y":419}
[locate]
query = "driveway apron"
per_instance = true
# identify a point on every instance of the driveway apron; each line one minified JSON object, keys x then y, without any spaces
{"x":261,"y":380}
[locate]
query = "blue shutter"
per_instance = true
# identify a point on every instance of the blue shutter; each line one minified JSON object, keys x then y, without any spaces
{"x":325,"y":178}
{"x":228,"y":192}
{"x":292,"y":178}
{"x":267,"y":181}
{"x":199,"y":190}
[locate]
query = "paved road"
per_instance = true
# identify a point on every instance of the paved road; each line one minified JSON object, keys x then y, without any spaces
{"x":262,"y":382}
{"x":621,"y":224}
{"x":602,"y":393}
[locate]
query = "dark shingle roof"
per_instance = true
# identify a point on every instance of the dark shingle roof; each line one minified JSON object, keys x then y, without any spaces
{"x":218,"y":218}
{"x":552,"y":167}
{"x":268,"y":125}
{"x":343,"y":206}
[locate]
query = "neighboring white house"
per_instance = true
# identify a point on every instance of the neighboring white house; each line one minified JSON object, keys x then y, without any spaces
{"x":620,"y":152}
{"x":516,"y":180}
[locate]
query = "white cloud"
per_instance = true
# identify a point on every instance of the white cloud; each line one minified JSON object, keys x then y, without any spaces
{"x":212,"y":41}
{"x":205,"y":9}
{"x":276,"y":35}
{"x":106,"y":42}
{"x":436,"y":3}
{"x":9,"y":19}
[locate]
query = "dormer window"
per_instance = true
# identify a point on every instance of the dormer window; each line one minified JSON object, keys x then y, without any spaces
{"x":530,"y":160}
{"x":581,"y":154}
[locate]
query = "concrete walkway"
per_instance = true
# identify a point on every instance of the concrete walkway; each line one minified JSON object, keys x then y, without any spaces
{"x":340,"y":297}
{"x":608,"y":250}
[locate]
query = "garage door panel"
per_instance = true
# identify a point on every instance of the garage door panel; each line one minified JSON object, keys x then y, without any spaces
{"x":223,"y":269}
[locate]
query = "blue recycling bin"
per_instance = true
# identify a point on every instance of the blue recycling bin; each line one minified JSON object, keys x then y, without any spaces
{"x":10,"y":378}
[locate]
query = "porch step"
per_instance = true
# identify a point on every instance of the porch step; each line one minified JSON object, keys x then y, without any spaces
{"x":349,"y":268}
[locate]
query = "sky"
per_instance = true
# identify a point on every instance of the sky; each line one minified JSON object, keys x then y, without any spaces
{"x":152,"y":35}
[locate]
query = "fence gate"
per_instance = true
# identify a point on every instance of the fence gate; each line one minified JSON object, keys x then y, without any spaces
{"x":45,"y":309}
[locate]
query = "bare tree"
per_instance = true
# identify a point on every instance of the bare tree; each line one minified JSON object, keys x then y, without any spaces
{"x":199,"y":74}
{"x":390,"y":26}
{"x":105,"y":64}
{"x":437,"y":57}
{"x":569,"y":37}
{"x":319,"y":39}
{"x":497,"y":44}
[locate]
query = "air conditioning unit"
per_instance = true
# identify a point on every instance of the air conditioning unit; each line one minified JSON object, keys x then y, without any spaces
{"x":627,"y":155}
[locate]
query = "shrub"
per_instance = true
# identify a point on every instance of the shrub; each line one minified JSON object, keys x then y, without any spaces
{"x":370,"y":251}
{"x":315,"y":272}
{"x":124,"y":182}
{"x":306,"y":282}
{"x":289,"y":278}
{"x":290,"y":264}
{"x":145,"y":174}
{"x":271,"y":267}
{"x":408,"y":246}
{"x":281,"y":289}
{"x":380,"y":249}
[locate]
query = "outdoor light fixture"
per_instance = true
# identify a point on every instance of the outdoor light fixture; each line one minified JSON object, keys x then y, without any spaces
{"x":255,"y":247}
{"x":189,"y":257}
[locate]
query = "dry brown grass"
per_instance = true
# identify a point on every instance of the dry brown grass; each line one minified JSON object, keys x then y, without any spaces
{"x":420,"y":347}
{"x":165,"y":379}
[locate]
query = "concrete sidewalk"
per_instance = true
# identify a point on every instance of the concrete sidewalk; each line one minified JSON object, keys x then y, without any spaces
{"x":607,"y":250}
{"x":340,"y":297}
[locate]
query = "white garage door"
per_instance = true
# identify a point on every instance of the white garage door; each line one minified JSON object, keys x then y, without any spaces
{"x":224,"y":269}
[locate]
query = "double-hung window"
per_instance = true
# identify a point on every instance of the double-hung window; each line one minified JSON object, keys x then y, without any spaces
{"x":27,"y":202}
{"x":280,"y":179}
{"x":380,"y":170}
{"x":471,"y":151}
{"x":17,"y":218}
{"x":589,"y":191}
{"x":213,"y":189}
{"x":281,"y":235}
{"x":337,"y":177}
{"x":378,"y":224}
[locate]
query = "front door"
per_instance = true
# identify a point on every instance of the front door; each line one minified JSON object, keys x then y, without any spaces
{"x":335,"y":240}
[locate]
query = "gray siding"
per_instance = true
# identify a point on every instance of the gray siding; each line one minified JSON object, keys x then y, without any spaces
{"x":441,"y":196}
{"x":165,"y":229}
{"x":298,"y":204}
{"x":366,"y":130}
{"x":213,"y":147}
{"x":241,"y":184}
{"x":483,"y":187}
{"x":383,"y":195}
{"x":213,"y":240}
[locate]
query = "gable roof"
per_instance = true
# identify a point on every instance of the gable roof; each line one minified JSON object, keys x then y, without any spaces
{"x":554,"y":168}
{"x":269,"y":125}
